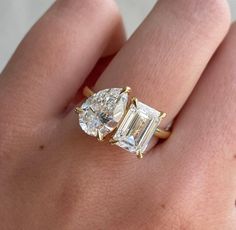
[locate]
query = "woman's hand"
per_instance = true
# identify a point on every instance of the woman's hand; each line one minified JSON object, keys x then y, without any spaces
{"x":53,"y":176}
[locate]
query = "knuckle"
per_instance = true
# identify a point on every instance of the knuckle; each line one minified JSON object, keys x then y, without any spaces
{"x":216,"y":11}
{"x":205,"y":15}
{"x":109,"y":5}
{"x":107,"y":8}
{"x":102,"y":8}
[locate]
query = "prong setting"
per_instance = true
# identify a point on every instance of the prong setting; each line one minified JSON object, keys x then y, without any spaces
{"x":88,"y":92}
{"x":162,"y":115}
{"x":78,"y":110}
{"x":139,"y":155}
{"x":126,"y":89}
{"x":99,"y":136}
{"x":112,"y":141}
{"x":134,"y":101}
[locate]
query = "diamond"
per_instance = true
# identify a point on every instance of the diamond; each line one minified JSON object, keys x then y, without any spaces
{"x":137,"y":127}
{"x":102,"y":111}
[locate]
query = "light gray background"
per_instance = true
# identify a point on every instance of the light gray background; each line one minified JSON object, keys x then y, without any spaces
{"x":17,"y":16}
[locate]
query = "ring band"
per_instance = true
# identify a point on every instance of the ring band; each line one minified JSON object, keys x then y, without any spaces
{"x":106,"y":111}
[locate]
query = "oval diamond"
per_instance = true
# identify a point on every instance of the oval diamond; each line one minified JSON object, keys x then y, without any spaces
{"x":102,"y":111}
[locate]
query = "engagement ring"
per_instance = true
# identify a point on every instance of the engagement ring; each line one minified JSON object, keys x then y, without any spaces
{"x":132,"y":122}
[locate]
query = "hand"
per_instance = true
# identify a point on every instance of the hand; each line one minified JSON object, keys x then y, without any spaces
{"x":53,"y":176}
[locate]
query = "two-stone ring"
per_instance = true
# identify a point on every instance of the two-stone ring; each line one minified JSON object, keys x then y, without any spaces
{"x":133,"y":122}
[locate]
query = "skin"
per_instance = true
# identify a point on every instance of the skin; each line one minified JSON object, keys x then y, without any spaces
{"x":53,"y":176}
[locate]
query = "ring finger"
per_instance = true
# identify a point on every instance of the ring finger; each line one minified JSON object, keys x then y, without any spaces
{"x":165,"y":57}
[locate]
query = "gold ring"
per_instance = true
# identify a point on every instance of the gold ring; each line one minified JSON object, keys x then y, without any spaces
{"x":110,"y":110}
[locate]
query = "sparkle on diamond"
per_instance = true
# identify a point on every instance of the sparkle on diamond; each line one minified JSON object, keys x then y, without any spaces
{"x":137,"y":128}
{"x":103,"y":111}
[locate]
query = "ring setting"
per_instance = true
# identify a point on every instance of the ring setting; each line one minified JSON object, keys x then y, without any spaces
{"x":132,"y":122}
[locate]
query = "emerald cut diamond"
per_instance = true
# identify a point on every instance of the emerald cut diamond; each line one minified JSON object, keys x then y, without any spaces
{"x":102,"y":111}
{"x":137,"y":128}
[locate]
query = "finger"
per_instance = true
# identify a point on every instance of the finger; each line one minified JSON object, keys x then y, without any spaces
{"x":166,"y":56}
{"x":158,"y":61}
{"x":203,"y":142}
{"x":58,"y":53}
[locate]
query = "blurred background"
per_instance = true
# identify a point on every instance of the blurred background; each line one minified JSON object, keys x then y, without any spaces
{"x":17,"y":16}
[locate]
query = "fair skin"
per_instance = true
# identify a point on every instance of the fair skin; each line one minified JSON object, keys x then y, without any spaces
{"x":53,"y":176}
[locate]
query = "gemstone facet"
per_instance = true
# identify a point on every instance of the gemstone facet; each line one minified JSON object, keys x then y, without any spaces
{"x":102,"y":111}
{"x":137,"y":128}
